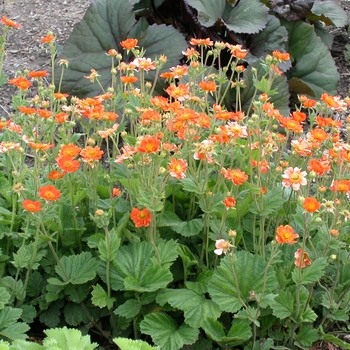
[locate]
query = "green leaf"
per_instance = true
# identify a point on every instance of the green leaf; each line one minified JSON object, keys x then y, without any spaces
{"x":4,"y":297}
{"x":166,"y":333}
{"x":129,"y":344}
{"x":77,"y":269}
{"x":310,"y":273}
{"x":15,"y":331}
{"x":108,"y":249}
{"x":22,"y":257}
{"x":313,"y":63}
{"x":51,"y":316}
{"x":201,"y":284}
{"x":270,"y":203}
{"x":239,"y":332}
{"x":248,"y":17}
{"x":307,"y":335}
{"x":74,"y":314}
{"x":100,"y":297}
{"x":196,"y":307}
{"x":208,"y":11}
{"x":237,"y":276}
{"x":25,"y":345}
{"x":283,"y":304}
{"x":129,"y":309}
{"x":67,"y":338}
{"x":136,"y":268}
{"x":331,"y":10}
{"x":190,"y":185}
{"x":156,"y":277}
{"x":185,"y":228}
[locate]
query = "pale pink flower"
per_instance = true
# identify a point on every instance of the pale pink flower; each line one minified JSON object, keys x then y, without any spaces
{"x":294,"y":177}
{"x":222,"y":246}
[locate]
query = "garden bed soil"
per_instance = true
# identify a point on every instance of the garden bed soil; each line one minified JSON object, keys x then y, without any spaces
{"x":38,"y":17}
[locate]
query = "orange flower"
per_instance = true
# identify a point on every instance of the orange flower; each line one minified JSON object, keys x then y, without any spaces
{"x":286,"y":234}
{"x":149,"y":116}
{"x":55,"y":174}
{"x":177,"y":168}
{"x":334,"y":232}
{"x":340,"y":185}
{"x":141,"y":218}
{"x":302,"y":147}
{"x":90,"y":154}
{"x":281,"y":56}
{"x":32,"y":206}
{"x":61,"y":117}
{"x":333,"y":102}
{"x":38,"y":74}
{"x":68,"y":164}
{"x":238,"y":177}
{"x":201,"y":42}
{"x":237,"y":51}
{"x":27,"y":110}
{"x":291,"y":125}
{"x":41,"y":146}
{"x":49,"y":193}
{"x":320,"y":167}
{"x":8,"y":22}
{"x":126,"y":79}
{"x":301,"y":259}
{"x":44,"y":113}
{"x":294,"y":177}
{"x":149,"y":144}
{"x":307,"y":102}
{"x":116,"y":192}
{"x":70,"y":149}
{"x":21,"y":82}
{"x":129,"y":44}
{"x":311,"y":204}
{"x":230,"y":202}
{"x":60,"y":95}
{"x":317,"y":135}
{"x":48,"y":39}
{"x":180,"y":92}
{"x":207,"y":85}
{"x":298,"y":116}
{"x":179,"y":71}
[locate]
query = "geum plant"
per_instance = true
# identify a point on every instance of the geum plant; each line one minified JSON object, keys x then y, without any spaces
{"x":176,"y":221}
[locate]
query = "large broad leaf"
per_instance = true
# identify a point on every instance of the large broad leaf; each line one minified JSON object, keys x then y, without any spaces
{"x":313,"y":63}
{"x":129,"y":344}
{"x":273,"y":37}
{"x":330,"y":12}
{"x":237,"y":276}
{"x":248,"y":17}
{"x":239,"y":333}
{"x":166,"y":333}
{"x":208,"y":11}
{"x":75,"y":269}
{"x":105,"y":24}
{"x":310,"y":274}
{"x":196,"y":307}
{"x":136,"y":267}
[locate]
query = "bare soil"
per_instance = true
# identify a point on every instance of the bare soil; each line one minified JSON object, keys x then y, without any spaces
{"x":38,"y":17}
